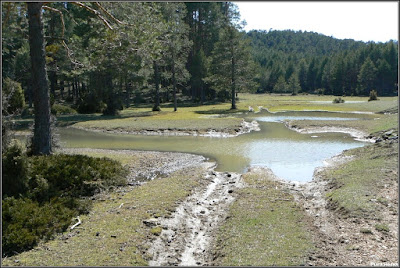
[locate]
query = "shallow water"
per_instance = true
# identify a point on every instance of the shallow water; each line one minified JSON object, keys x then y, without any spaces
{"x":290,"y":155}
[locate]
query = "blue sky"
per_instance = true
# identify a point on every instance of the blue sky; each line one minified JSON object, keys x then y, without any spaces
{"x":361,"y":21}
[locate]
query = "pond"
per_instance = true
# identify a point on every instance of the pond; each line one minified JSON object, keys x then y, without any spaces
{"x":290,"y":155}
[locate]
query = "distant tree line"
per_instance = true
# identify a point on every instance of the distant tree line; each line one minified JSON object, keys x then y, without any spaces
{"x":291,"y":61}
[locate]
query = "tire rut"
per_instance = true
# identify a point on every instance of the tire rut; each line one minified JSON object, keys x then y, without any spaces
{"x":186,"y":236}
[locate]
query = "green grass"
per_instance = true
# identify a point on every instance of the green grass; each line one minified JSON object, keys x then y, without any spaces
{"x":357,"y":182}
{"x":197,"y":117}
{"x":122,"y":237}
{"x":369,"y":123}
{"x":265,"y":227}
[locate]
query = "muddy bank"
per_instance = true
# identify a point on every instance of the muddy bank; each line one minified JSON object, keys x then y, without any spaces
{"x":344,"y":240}
{"x":244,"y":128}
{"x":355,"y":133}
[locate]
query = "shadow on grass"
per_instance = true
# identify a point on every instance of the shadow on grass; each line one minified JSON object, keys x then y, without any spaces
{"x":221,"y":111}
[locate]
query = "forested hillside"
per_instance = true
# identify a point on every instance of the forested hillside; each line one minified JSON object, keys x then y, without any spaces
{"x":309,"y":62}
{"x":102,"y":58}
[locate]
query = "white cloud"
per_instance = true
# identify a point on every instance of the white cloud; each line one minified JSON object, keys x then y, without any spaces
{"x":366,"y":21}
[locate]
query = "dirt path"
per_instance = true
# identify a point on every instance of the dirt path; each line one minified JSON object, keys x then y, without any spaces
{"x":186,"y":236}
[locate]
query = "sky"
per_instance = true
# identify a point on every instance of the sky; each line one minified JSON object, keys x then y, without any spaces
{"x":362,"y":21}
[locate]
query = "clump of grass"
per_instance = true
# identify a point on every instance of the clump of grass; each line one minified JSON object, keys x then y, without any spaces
{"x":338,"y":100}
{"x":365,"y":231}
{"x":373,"y":95}
{"x":156,"y":230}
{"x":382,"y":227}
{"x":265,"y":227}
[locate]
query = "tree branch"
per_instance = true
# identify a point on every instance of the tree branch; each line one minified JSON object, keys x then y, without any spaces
{"x":69,"y":53}
{"x":95,"y":12}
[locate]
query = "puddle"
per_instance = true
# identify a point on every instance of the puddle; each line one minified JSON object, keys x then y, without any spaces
{"x":291,"y":155}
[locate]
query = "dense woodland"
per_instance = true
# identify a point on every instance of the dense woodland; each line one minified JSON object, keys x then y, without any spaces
{"x":102,"y":58}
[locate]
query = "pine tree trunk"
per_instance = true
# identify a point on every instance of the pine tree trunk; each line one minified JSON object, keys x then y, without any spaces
{"x":233,"y":85}
{"x":157,"y":82}
{"x":41,"y":142}
{"x":174,"y":83}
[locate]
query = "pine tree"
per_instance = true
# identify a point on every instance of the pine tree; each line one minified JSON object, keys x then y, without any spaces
{"x":366,"y":77}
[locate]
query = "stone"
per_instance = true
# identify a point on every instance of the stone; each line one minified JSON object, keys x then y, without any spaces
{"x":151,"y":222}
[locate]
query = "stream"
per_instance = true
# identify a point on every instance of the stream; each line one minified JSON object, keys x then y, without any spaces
{"x":290,"y":155}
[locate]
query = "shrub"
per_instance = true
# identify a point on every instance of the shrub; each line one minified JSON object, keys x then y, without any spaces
{"x":13,"y":96}
{"x":51,"y":194}
{"x":373,"y":95}
{"x":91,"y":104}
{"x":25,"y":222}
{"x":14,"y":170}
{"x":73,"y":175}
{"x":59,"y":109}
{"x":338,"y":100}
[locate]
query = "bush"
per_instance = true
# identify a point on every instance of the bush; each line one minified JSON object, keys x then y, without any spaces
{"x":25,"y":222}
{"x":373,"y":95}
{"x":59,"y":109}
{"x":45,"y":197}
{"x":91,"y":104}
{"x":14,"y":170}
{"x":73,"y":175}
{"x":338,"y":100}
{"x":13,"y":96}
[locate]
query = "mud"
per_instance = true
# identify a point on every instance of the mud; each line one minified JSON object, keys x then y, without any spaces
{"x":186,"y":236}
{"x":245,"y":127}
{"x":338,"y":239}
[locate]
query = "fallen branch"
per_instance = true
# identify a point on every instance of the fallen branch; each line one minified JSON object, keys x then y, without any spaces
{"x":120,"y":206}
{"x":76,"y":224}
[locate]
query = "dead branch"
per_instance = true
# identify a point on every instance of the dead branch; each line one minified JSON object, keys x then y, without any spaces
{"x":110,"y":15}
{"x":95,"y":12}
{"x":61,"y":17}
{"x":69,"y":53}
{"x":76,"y":224}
